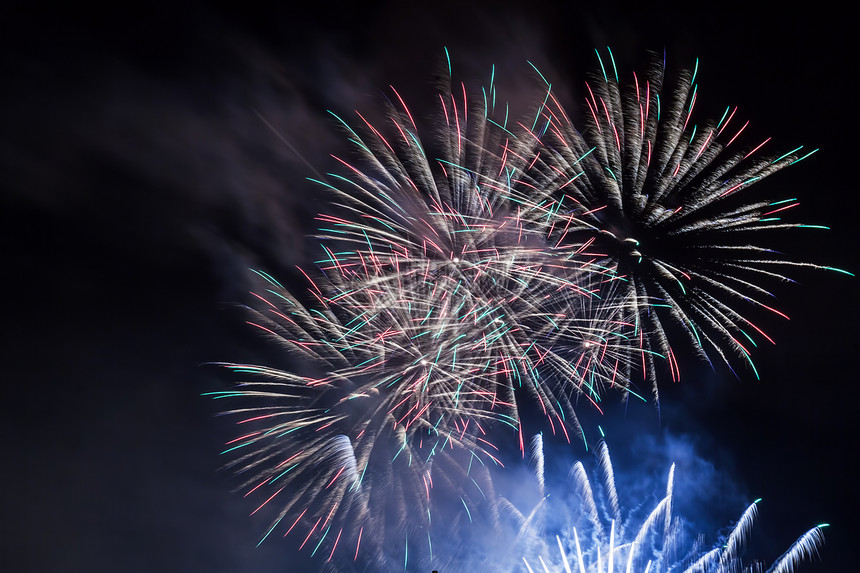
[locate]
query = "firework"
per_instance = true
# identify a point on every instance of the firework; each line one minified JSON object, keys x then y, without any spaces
{"x":501,"y":263}
{"x":663,"y":205}
{"x":464,"y":239}
{"x":354,"y":445}
{"x":593,"y":533}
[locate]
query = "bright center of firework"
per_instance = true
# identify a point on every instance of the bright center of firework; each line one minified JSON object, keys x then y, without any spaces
{"x":632,"y":245}
{"x":456,"y":259}
{"x":423,"y":362}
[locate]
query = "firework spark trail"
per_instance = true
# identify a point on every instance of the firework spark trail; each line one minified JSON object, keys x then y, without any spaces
{"x":806,"y":547}
{"x":538,"y":461}
{"x":662,"y":203}
{"x":617,"y":544}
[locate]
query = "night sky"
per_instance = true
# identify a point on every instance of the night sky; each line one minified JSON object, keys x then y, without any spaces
{"x":139,"y":183}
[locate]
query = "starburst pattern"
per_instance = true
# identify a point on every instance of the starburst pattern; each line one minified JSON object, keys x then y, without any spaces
{"x":664,"y":204}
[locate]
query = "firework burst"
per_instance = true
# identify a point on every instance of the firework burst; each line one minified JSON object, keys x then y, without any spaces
{"x":467,"y":235}
{"x":356,"y":444}
{"x":664,"y":205}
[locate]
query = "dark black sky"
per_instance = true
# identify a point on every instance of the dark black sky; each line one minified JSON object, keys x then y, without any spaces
{"x":138,"y":184}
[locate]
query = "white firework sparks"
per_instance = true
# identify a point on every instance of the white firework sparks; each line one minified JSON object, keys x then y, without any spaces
{"x":596,"y":537}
